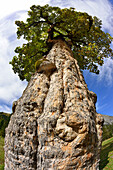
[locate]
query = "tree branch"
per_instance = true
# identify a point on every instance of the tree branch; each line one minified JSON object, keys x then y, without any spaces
{"x":46,"y":18}
{"x":36,"y":23}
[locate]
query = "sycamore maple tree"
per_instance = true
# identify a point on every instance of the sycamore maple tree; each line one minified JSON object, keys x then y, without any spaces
{"x":89,"y":44}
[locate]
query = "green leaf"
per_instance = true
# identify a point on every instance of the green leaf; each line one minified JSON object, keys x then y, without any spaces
{"x":90,"y":45}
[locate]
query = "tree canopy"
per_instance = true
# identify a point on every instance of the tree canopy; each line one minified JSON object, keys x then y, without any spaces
{"x":89,"y":44}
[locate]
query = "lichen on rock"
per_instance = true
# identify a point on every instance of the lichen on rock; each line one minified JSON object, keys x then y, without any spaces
{"x":55,"y":124}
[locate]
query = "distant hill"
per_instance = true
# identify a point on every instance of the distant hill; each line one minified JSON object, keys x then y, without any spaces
{"x":4,"y":115}
{"x":108,"y":127}
{"x":4,"y":120}
{"x":108,"y":120}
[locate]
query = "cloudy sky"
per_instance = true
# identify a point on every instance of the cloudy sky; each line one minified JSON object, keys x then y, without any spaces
{"x":11,"y":87}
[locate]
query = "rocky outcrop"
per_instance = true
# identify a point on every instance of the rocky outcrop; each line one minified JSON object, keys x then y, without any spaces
{"x":54,"y":124}
{"x":108,"y":120}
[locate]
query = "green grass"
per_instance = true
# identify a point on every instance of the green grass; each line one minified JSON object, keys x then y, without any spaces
{"x":4,"y":120}
{"x":1,"y":153}
{"x":106,"y":156}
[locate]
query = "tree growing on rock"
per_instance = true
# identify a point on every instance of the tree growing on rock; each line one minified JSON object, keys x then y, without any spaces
{"x":46,"y":24}
{"x":54,"y":124}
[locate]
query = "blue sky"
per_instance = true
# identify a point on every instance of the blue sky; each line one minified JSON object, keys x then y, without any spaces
{"x":11,"y":87}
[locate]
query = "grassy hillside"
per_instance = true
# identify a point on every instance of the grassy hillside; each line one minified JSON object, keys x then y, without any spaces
{"x":4,"y":120}
{"x":107,"y":131}
{"x":1,"y":153}
{"x":107,"y":155}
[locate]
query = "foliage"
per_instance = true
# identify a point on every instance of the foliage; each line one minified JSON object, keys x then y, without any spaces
{"x":4,"y":120}
{"x":106,"y":156}
{"x":1,"y":153}
{"x":107,"y":131}
{"x":90,"y":45}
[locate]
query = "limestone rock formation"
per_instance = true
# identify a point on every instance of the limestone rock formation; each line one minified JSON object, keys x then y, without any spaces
{"x":54,"y":125}
{"x":108,"y":120}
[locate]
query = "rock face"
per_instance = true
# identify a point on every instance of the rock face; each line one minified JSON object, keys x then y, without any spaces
{"x":108,"y":120}
{"x":54,"y":125}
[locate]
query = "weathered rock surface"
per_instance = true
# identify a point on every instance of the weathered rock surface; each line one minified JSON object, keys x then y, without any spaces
{"x":54,"y":125}
{"x":108,"y":120}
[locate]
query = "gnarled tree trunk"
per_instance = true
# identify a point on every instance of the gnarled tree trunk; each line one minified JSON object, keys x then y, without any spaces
{"x":54,"y":124}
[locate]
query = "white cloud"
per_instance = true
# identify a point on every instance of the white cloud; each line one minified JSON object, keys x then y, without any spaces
{"x":8,"y":7}
{"x":5,"y":108}
{"x":106,"y":72}
{"x":11,"y":87}
{"x":103,"y":9}
{"x":105,"y":77}
{"x":9,"y":82}
{"x":101,"y":107}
